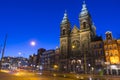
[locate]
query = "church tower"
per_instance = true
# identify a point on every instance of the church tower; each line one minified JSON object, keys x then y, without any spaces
{"x":87,"y":29}
{"x":65,"y":26}
{"x":109,"y":35}
{"x":87,"y":34}
{"x":85,"y":18}
{"x":75,"y":43}
{"x":64,"y":41}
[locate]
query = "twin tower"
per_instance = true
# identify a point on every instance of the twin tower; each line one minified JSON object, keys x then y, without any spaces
{"x":75,"y":43}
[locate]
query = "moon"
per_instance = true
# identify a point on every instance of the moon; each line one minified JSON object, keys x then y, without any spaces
{"x":19,"y":53}
{"x":32,"y":43}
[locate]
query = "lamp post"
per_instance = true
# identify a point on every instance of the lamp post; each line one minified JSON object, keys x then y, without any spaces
{"x":92,"y":68}
{"x":73,"y":47}
{"x":73,"y":60}
{"x":19,"y":60}
{"x":55,"y":69}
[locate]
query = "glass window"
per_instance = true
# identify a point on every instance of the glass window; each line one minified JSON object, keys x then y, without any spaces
{"x":110,"y":47}
{"x":101,"y":52}
{"x":95,"y":46}
{"x":100,"y":45}
{"x":84,"y":25}
{"x":64,"y":31}
{"x":115,"y":47}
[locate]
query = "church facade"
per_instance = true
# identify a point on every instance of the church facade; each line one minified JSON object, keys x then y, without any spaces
{"x":76,"y":45}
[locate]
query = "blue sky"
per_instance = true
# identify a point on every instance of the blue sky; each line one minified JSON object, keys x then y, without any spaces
{"x":39,"y":20}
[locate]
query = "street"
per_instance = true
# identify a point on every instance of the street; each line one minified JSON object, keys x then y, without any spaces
{"x":25,"y":75}
{"x":5,"y":75}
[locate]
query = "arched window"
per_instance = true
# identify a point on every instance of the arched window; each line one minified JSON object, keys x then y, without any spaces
{"x":79,"y":61}
{"x":64,"y":31}
{"x":61,"y":49}
{"x":75,"y":44}
{"x":84,"y":25}
{"x":73,"y":62}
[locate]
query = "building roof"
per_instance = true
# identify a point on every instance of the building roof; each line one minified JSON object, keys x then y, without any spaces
{"x":97,"y":38}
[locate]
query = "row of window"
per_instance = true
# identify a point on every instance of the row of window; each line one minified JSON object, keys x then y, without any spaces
{"x":110,"y":47}
{"x":98,"y":53}
{"x":111,"y":54}
{"x":64,"y":30}
{"x":100,"y":45}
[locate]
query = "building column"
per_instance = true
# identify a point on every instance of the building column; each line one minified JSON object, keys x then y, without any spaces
{"x":111,"y":71}
{"x":117,"y":71}
{"x":107,"y":70}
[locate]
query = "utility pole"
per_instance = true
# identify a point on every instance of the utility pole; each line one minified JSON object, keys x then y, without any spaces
{"x":3,"y":50}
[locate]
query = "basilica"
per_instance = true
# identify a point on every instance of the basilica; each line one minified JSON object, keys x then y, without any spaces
{"x":81,"y":50}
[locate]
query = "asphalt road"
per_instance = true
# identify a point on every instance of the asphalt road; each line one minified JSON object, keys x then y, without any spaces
{"x":25,"y":75}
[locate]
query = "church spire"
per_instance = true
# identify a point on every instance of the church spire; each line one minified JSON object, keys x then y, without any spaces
{"x":84,"y":6}
{"x":85,"y":19}
{"x":65,"y":25}
{"x":65,"y":18}
{"x":84,"y":10}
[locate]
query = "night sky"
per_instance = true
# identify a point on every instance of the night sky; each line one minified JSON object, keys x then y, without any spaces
{"x":39,"y":20}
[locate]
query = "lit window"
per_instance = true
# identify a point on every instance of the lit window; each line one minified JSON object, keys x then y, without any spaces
{"x":115,"y":47}
{"x":110,"y":47}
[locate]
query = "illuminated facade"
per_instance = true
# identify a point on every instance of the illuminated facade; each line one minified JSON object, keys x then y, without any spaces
{"x":75,"y":44}
{"x":112,"y":54}
{"x":112,"y":49}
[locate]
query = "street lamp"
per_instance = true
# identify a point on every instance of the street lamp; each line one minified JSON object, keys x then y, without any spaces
{"x":73,"y":61}
{"x":19,"y":60}
{"x":55,"y":67}
{"x":92,"y":69}
{"x":73,"y":46}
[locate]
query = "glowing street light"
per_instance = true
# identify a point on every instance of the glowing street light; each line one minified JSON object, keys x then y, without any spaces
{"x":73,"y":46}
{"x":55,"y":66}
